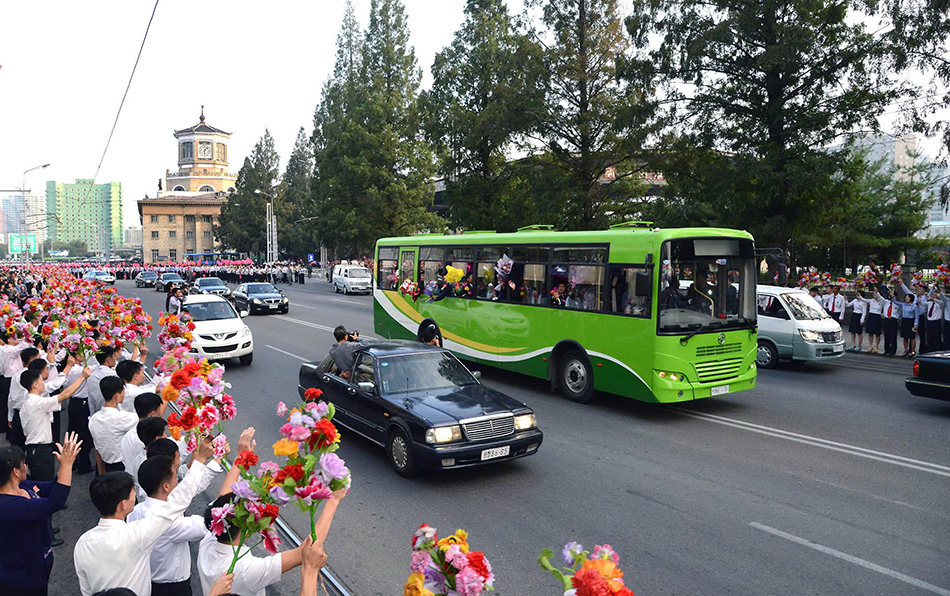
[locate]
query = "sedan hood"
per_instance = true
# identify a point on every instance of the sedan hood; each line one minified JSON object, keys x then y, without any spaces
{"x":264,"y":296}
{"x":219,"y":326}
{"x":450,"y":406}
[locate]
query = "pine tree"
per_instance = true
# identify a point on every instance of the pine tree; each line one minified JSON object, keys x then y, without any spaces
{"x":297,"y":238}
{"x":241,"y":225}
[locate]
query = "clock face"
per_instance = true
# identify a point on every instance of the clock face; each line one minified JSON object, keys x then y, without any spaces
{"x":204,"y":150}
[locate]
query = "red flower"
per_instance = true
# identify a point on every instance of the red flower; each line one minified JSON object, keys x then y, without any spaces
{"x":295,"y":472}
{"x":312,"y":394}
{"x":589,"y":582}
{"x":191,"y":369}
{"x":180,"y":379}
{"x":191,"y":326}
{"x":188,"y":418}
{"x":271,"y":511}
{"x":476,"y":560}
{"x":173,"y":419}
{"x":324,"y":434}
{"x":246,"y":459}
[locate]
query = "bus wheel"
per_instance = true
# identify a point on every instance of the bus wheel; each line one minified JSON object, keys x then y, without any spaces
{"x":576,"y":377}
{"x":767,"y":356}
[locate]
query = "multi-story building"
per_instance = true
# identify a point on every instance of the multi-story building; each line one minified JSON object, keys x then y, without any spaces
{"x":13,"y":210}
{"x":897,"y":151}
{"x":938,"y":217}
{"x":87,"y":212}
{"x":180,"y":220}
{"x":132,"y":238}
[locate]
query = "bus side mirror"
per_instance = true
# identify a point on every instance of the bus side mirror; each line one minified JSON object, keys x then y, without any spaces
{"x":643,"y":285}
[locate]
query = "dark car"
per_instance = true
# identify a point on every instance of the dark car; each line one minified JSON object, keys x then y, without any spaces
{"x":166,"y":281}
{"x":211,"y":285}
{"x":145,"y":279}
{"x":931,"y":376}
{"x":260,"y":297}
{"x":425,"y":407}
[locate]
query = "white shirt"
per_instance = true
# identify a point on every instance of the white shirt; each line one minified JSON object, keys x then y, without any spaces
{"x":17,"y":394}
{"x":934,"y":310}
{"x":133,"y":454}
{"x":94,"y":392}
{"x":34,"y":416}
{"x":860,"y":307}
{"x":10,"y":358}
{"x":128,"y":404}
{"x":171,"y":555}
{"x":834,"y":303}
{"x":107,"y":427}
{"x":115,"y":554}
{"x":251,"y":574}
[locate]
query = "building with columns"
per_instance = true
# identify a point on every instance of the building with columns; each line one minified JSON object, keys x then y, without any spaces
{"x":180,"y":220}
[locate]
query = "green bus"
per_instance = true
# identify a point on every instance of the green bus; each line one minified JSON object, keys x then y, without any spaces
{"x":655,"y":315}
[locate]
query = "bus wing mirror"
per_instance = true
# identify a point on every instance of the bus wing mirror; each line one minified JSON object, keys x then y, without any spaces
{"x":643,"y":285}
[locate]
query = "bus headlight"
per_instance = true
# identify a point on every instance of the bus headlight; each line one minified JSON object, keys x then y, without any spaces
{"x":443,"y":434}
{"x":525,"y":421}
{"x":671,"y":376}
{"x":811,"y":336}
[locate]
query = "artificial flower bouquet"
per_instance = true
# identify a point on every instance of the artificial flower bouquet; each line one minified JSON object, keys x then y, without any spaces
{"x":198,"y":389}
{"x":410,"y":287}
{"x":312,"y":471}
{"x":447,"y":566}
{"x":176,"y":330}
{"x":585,"y":573}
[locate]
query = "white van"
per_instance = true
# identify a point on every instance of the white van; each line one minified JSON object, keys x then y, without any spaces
{"x":351,"y":279}
{"x":793,"y":325}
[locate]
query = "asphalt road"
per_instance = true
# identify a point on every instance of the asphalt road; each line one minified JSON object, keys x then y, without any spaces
{"x":825,"y":479}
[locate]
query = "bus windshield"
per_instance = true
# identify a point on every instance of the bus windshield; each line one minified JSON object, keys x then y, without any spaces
{"x":706,"y":284}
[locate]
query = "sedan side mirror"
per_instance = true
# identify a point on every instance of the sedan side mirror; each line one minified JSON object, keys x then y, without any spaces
{"x":367,"y":386}
{"x":244,"y":313}
{"x":477,"y":374}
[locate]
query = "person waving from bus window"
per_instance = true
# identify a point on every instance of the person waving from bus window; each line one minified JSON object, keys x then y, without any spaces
{"x":701,"y":295}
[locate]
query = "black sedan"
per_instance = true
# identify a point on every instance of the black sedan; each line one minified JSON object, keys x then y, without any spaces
{"x":145,"y":279}
{"x":425,"y":407}
{"x":260,"y":297}
{"x":211,"y":285}
{"x":167,"y":281}
{"x":931,"y":376}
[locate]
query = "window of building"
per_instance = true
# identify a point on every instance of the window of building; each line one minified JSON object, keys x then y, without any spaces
{"x":154,"y":255}
{"x":171,"y":219}
{"x":206,"y":218}
{"x":153,"y":218}
{"x":189,"y":219}
{"x":206,"y":188}
{"x":189,"y":234}
{"x":178,"y":188}
{"x":172,"y":254}
{"x":172,"y":234}
{"x":207,"y":235}
{"x":187,"y":150}
{"x":155,"y":234}
{"x":222,"y":152}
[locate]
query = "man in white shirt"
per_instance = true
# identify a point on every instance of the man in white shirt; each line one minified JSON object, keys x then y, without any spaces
{"x":934,"y":323}
{"x":109,"y":425}
{"x":116,"y":554}
{"x":132,"y":372}
{"x":147,"y":405}
{"x":252,"y":574}
{"x":107,"y":357}
{"x":171,"y":557}
{"x":17,"y":397}
{"x":834,"y":303}
{"x":10,"y":350}
{"x":35,"y":415}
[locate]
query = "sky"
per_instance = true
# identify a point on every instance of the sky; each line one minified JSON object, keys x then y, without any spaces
{"x":253,"y":65}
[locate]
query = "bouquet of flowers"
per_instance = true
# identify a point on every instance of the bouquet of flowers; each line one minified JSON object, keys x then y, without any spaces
{"x":410,"y":287}
{"x":585,"y":573}
{"x":313,"y":471}
{"x":253,"y":509}
{"x":447,"y":566}
{"x":917,"y":280}
{"x":942,"y":276}
{"x":199,"y":391}
{"x":895,"y":276}
{"x":867,"y":279}
{"x":809,"y":279}
{"x":503,"y":270}
{"x":176,"y":330}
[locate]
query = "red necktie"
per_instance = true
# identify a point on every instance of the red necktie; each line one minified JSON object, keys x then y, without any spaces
{"x":832,"y":305}
{"x":890,"y":307}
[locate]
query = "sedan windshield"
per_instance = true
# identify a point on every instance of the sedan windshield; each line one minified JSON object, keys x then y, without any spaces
{"x":171,"y":276}
{"x":261,"y":289}
{"x":423,"y":372}
{"x":804,"y":307}
{"x":148,"y":275}
{"x":209,"y":311}
{"x":210,"y":281}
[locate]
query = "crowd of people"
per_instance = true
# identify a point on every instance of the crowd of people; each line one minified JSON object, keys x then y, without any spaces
{"x":286,"y":272}
{"x":144,"y":481}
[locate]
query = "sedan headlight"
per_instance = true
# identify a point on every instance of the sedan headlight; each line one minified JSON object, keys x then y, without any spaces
{"x":811,"y":336}
{"x":255,"y":301}
{"x":246,"y":331}
{"x":443,"y":434}
{"x":286,"y":300}
{"x":525,"y":421}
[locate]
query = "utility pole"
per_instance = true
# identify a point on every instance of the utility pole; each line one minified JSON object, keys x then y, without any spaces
{"x":25,"y":228}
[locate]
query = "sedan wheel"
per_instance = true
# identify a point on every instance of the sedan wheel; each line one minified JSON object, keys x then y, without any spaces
{"x":399,"y":450}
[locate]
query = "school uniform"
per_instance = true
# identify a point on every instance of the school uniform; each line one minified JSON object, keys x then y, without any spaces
{"x":891,"y":321}
{"x":922,"y":305}
{"x":107,"y":427}
{"x":35,"y":414}
{"x":875,"y":314}
{"x":859,"y":310}
{"x":9,"y":365}
{"x":909,"y":320}
{"x":78,"y":410}
{"x":835,"y":305}
{"x":934,"y":324}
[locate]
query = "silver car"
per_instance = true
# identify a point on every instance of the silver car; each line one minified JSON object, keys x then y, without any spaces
{"x":794,"y":326}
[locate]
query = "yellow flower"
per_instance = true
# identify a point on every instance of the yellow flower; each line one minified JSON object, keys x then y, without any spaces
{"x":414,"y":586}
{"x":286,"y":447}
{"x":460,"y":538}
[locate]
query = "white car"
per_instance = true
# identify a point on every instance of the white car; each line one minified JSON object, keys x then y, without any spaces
{"x":100,"y":276}
{"x":220,"y":332}
{"x":351,"y":279}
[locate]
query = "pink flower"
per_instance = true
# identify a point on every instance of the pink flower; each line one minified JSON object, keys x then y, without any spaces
{"x":286,"y":429}
{"x":469,"y":583}
{"x":192,"y":443}
{"x":208,"y":416}
{"x":268,"y":467}
{"x":420,"y":560}
{"x":299,"y":434}
{"x":281,"y":409}
{"x":220,"y":443}
{"x":218,"y":517}
{"x":315,"y":491}
{"x":456,"y":557}
{"x":606,"y":552}
{"x":271,"y":540}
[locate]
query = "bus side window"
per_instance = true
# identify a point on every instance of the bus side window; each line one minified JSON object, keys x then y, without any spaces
{"x":535,"y":288}
{"x":630,"y":290}
{"x":388,"y":276}
{"x":584,"y":286}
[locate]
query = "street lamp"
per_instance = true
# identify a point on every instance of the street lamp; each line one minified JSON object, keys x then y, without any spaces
{"x":23,"y":213}
{"x":270,"y":223}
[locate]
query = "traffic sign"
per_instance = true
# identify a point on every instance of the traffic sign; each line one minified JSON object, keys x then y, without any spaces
{"x":309,"y":257}
{"x":20,"y":243}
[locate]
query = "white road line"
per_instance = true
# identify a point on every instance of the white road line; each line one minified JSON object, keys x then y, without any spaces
{"x":317,"y":326}
{"x":287,"y":353}
{"x":346,"y":301}
{"x":304,"y":306}
{"x":852,"y":559}
{"x":889,"y":458}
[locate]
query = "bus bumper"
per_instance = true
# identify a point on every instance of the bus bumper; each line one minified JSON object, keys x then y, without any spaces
{"x":668,"y":391}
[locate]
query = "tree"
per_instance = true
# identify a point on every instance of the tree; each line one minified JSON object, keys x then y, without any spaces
{"x":297,"y":238}
{"x":241,"y":225}
{"x":763,"y":88}
{"x":483,"y":96}
{"x":592,"y":120}
{"x":77,"y":248}
{"x":373,"y":169}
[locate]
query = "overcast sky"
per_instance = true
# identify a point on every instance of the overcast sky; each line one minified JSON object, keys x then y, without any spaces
{"x":64,"y":65}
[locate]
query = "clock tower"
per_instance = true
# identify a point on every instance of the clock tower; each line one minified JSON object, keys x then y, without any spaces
{"x":202,"y":161}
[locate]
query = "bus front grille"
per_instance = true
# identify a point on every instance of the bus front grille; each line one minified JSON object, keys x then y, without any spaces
{"x":718,"y":370}
{"x":718,"y":350}
{"x":490,"y":428}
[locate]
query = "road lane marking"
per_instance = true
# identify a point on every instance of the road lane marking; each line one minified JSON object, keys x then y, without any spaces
{"x":347,"y":301}
{"x":852,"y":559}
{"x":287,"y":353}
{"x":881,"y":456}
{"x":317,"y":326}
{"x":304,"y":306}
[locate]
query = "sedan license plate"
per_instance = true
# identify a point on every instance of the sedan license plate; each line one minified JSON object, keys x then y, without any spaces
{"x":273,"y":306}
{"x":837,"y":349}
{"x":496,"y":452}
{"x":721,"y":390}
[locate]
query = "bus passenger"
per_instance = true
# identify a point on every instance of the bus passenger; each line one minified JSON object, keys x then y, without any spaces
{"x":559,"y":295}
{"x":701,"y":295}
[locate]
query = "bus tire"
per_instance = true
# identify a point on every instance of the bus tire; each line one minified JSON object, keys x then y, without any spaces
{"x":575,"y":376}
{"x":399,"y":453}
{"x":767,"y":356}
{"x":425,"y":323}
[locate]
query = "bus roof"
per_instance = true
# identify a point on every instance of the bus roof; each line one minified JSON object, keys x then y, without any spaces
{"x":530,"y":236}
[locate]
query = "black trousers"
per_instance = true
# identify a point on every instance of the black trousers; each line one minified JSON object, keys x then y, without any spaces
{"x":57,"y":426}
{"x":6,"y":590}
{"x":115,"y":467}
{"x":15,"y":434}
{"x":934,"y":335}
{"x":175,"y":589}
{"x":41,"y":462}
{"x":79,"y":424}
{"x":4,"y":396}
{"x":890,"y":336}
{"x":923,"y":344}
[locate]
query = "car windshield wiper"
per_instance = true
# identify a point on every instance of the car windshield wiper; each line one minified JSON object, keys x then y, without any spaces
{"x":697,"y":329}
